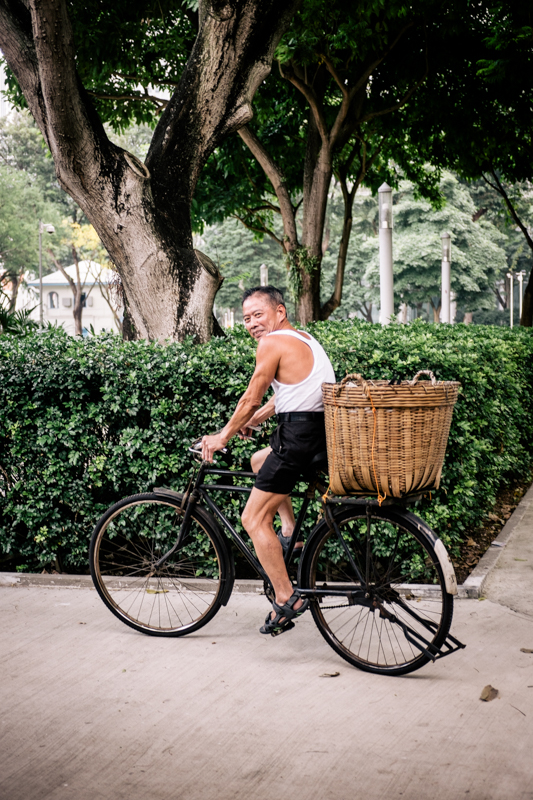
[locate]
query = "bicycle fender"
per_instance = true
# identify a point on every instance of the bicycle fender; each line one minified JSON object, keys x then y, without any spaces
{"x":450,"y":580}
{"x":447,"y":567}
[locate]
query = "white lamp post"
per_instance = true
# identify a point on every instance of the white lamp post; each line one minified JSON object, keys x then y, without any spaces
{"x":49,"y":229}
{"x":386,"y":281}
{"x":445,"y":278}
{"x":511,"y":297}
{"x":263,"y":270}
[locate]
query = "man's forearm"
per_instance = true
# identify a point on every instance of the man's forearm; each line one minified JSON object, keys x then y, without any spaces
{"x":265,"y":412}
{"x":246,"y":407}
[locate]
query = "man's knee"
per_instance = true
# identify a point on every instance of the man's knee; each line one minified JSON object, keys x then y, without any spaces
{"x":259,"y":458}
{"x":246,"y":519}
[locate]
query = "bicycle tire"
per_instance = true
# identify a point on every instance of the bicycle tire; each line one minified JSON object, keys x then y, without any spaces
{"x":180,"y":596}
{"x":402,"y":582}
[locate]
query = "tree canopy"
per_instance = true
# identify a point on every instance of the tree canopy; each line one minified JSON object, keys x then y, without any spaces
{"x":361,"y":91}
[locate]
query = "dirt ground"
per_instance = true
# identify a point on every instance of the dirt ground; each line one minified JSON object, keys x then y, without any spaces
{"x":478,"y":539}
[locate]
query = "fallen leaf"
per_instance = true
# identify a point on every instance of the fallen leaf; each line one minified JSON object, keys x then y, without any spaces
{"x":471,"y":543}
{"x":329,"y":675}
{"x":525,"y":650}
{"x":488,"y":693}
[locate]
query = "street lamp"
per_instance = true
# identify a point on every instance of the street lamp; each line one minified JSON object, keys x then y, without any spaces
{"x":511,"y":295}
{"x":49,"y":229}
{"x":386,"y":283}
{"x":446,"y":277}
{"x":263,"y":271}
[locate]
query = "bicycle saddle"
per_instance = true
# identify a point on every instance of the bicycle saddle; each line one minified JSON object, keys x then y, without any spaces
{"x":320,"y":462}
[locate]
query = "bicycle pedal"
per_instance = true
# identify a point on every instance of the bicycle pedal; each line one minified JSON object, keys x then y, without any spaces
{"x":289,"y":626}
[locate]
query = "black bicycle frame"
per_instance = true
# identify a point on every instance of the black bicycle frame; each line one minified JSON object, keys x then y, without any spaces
{"x":202,"y":489}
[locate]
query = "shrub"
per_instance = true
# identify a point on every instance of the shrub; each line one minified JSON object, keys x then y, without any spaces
{"x":85,"y":422}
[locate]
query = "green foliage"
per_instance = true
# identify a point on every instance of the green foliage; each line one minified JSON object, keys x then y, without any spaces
{"x":86,"y":422}
{"x":478,"y":258}
{"x":17,"y":322}
{"x":22,"y":204}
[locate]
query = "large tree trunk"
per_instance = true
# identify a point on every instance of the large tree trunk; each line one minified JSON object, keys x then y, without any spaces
{"x":142,"y":213}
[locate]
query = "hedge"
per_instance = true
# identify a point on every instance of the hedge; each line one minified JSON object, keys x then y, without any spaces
{"x":85,"y":422}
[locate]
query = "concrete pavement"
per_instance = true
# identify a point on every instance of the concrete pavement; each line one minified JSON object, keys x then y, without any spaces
{"x":92,"y":710}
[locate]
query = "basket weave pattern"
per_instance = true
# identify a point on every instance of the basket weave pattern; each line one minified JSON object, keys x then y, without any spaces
{"x":397,"y":434}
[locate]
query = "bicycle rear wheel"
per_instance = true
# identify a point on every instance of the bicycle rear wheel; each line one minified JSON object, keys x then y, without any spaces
{"x":178,"y":597}
{"x":395,"y":609}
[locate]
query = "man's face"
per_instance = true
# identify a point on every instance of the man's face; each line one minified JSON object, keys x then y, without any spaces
{"x":260,"y":316}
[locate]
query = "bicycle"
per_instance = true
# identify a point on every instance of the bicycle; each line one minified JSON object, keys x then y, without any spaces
{"x":380,"y":581}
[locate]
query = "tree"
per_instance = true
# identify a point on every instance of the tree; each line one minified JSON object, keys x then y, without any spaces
{"x":216,"y":58}
{"x":21,"y":206}
{"x":91,"y":263}
{"x":478,"y":255}
{"x":342,"y":68}
{"x":475,"y":116}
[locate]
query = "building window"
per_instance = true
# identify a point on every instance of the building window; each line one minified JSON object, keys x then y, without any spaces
{"x":84,"y":300}
{"x":53,"y":300}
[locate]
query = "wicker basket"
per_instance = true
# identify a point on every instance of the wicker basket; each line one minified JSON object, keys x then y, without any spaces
{"x":387,"y":439}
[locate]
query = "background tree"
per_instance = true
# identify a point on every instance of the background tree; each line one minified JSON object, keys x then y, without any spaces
{"x":342,"y":68}
{"x":22,"y":204}
{"x":78,"y":67}
{"x":475,"y":116}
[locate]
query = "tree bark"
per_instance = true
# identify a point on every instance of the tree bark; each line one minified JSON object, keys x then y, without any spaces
{"x":142,"y":212}
{"x":324,"y":142}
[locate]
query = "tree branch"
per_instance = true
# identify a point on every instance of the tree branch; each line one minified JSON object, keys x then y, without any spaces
{"x":262,"y":229}
{"x":312,"y":100}
{"x":498,"y":187}
{"x":277,"y":179}
{"x":217,"y":86}
{"x":157,"y":101}
{"x":62,"y":271}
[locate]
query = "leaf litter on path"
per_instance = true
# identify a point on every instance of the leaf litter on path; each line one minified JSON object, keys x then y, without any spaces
{"x":489,"y":693}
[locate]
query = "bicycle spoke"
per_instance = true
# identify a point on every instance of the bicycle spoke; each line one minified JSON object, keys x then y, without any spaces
{"x":177,"y":596}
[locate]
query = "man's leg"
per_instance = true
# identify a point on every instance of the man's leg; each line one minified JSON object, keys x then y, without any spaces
{"x":285,"y":509}
{"x":257,"y":519}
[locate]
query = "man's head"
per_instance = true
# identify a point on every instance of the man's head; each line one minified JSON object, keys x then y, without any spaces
{"x":263,"y":310}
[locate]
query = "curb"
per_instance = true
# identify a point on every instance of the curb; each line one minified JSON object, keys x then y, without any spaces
{"x":474,"y":584}
{"x":472,"y":588}
{"x":43,"y":581}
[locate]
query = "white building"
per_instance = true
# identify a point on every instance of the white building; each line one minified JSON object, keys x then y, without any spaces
{"x":58,"y":298}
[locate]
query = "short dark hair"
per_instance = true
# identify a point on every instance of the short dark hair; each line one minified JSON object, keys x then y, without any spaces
{"x":275,"y":296}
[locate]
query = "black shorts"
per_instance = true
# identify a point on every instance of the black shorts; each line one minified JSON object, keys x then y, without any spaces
{"x":294,"y":445}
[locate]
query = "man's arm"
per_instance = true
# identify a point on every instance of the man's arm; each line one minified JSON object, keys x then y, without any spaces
{"x":267,"y":360}
{"x":259,"y":416}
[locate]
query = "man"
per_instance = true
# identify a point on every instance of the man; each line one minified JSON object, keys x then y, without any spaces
{"x":295,"y":365}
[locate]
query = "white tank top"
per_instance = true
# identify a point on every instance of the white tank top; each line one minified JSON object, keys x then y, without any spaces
{"x":306,"y":395}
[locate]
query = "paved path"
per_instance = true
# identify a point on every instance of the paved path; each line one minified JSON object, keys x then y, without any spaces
{"x":92,"y":710}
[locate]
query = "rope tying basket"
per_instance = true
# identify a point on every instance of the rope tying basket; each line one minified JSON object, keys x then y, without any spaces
{"x":387,"y":439}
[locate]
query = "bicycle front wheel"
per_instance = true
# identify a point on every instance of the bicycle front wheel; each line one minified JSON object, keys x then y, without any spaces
{"x":172,"y":599}
{"x":388,"y":607}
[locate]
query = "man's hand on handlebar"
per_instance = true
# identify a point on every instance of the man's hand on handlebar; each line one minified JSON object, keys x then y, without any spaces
{"x":246,"y":432}
{"x":210,"y":444}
